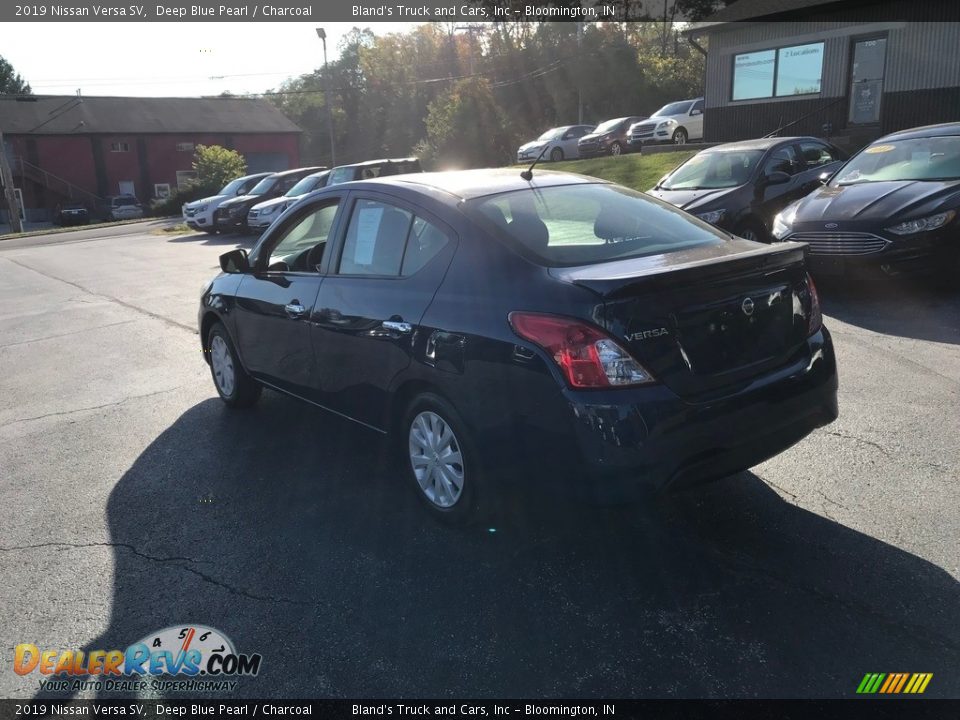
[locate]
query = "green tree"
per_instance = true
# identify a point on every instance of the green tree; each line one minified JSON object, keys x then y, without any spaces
{"x":466,"y":127}
{"x":10,"y":81}
{"x":216,"y":166}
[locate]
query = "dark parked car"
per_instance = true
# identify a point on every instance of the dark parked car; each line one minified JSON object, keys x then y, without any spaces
{"x":373,"y":169}
{"x":231,"y":215}
{"x":893,"y":205}
{"x":71,"y":213}
{"x":571,"y":327}
{"x":741,"y":186}
{"x":610,"y":138}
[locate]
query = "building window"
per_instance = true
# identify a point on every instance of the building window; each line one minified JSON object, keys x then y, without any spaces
{"x":184,"y":147}
{"x":794,"y":70}
{"x":119,"y":147}
{"x":185,"y":177}
{"x":161,"y":190}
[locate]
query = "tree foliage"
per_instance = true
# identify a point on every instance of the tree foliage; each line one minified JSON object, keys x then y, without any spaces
{"x":470,"y":98}
{"x":216,"y":166}
{"x":10,"y":81}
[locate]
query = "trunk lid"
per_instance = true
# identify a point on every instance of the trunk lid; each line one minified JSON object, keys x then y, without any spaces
{"x":708,"y":320}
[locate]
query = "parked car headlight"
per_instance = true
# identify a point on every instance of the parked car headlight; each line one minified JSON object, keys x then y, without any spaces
{"x":268,"y":210}
{"x":235,"y":211}
{"x":931,"y":222}
{"x":783,"y":222}
{"x":712,"y":217}
{"x":202,"y":208}
{"x":666,"y":123}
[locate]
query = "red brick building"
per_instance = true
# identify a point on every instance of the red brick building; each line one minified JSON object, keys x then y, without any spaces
{"x":87,"y":148}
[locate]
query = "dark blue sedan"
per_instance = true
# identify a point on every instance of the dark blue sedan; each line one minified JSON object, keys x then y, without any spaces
{"x":577,"y":330}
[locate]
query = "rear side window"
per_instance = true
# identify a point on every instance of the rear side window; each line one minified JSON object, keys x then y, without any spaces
{"x":386,"y":240}
{"x":587,"y":224}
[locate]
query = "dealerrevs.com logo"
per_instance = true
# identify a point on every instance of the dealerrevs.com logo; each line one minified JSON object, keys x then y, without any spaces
{"x":190,"y":658}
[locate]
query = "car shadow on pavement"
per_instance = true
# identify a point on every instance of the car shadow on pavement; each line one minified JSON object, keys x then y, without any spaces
{"x":911,"y":307}
{"x":294,"y":534}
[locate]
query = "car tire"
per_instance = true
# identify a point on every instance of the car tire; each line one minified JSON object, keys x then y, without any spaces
{"x":209,"y":231}
{"x":430,"y":431}
{"x":679,"y":136}
{"x":616,"y":149}
{"x":556,"y":155}
{"x":235,"y":387}
{"x":751,"y":229}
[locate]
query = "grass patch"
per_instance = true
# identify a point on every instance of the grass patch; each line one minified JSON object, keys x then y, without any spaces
{"x":640,"y":172}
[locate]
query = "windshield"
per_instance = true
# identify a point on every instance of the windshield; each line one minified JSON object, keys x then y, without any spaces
{"x":552,"y":133}
{"x":263,"y":187}
{"x":231,"y":187}
{"x":306,"y":185}
{"x":677,"y":108}
{"x":608,"y":126}
{"x":928,"y":158}
{"x":588,"y":224}
{"x":713,"y":170}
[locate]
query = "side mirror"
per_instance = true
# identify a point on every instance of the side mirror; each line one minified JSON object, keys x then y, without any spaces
{"x":824,"y":178}
{"x":777,"y":177}
{"x":235,"y":262}
{"x":695,"y":112}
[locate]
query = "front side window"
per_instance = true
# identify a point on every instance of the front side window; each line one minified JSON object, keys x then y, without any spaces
{"x":303,"y":245}
{"x":588,"y":224}
{"x":713,"y":170}
{"x":782,"y":160}
{"x":795,"y":70}
{"x":928,"y":158}
{"x":815,"y":154}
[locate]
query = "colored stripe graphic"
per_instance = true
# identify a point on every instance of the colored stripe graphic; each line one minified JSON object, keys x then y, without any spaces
{"x":894,"y":683}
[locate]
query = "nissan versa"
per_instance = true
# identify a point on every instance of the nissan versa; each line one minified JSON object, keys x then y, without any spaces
{"x":584,"y":331}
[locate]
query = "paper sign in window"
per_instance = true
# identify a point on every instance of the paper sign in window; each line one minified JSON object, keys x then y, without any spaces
{"x":368,"y":224}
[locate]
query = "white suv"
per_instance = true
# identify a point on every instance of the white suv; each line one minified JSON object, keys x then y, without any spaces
{"x":198,"y":215}
{"x":676,"y":122}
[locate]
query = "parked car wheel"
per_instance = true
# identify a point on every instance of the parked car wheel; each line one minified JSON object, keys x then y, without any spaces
{"x":680,"y":137}
{"x":441,"y":459}
{"x":209,"y":230}
{"x":556,"y":155}
{"x":616,"y":149}
{"x":235,"y":387}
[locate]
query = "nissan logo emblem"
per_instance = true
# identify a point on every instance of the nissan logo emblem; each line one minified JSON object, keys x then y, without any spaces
{"x":831,"y":226}
{"x":747,"y":306}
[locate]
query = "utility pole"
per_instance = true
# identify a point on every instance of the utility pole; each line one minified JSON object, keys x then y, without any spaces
{"x":579,"y":79}
{"x":6,"y":181}
{"x":328,"y":98}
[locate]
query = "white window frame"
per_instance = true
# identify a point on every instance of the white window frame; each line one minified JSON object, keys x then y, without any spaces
{"x":119,"y":147}
{"x":184,"y":177}
{"x":185,"y":147}
{"x":161,"y":190}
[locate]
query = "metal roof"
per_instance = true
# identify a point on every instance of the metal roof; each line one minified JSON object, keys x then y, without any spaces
{"x":72,"y":115}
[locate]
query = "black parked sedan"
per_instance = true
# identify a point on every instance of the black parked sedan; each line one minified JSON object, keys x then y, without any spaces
{"x":893,"y":205}
{"x":71,"y":213}
{"x":611,"y":137}
{"x":565,"y":325}
{"x":741,"y":186}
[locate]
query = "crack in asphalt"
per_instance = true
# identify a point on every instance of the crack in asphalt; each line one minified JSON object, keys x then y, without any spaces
{"x":110,"y":298}
{"x":61,"y":335}
{"x":882,"y":449}
{"x":234,"y":590}
{"x":87,"y":409}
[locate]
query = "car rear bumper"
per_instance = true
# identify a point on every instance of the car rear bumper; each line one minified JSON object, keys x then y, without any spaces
{"x":620,"y":444}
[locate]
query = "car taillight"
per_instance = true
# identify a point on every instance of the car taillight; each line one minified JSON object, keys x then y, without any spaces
{"x":815,"y":316}
{"x":588,"y":357}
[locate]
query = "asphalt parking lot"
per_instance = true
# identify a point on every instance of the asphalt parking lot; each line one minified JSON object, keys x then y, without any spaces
{"x":131,"y":500}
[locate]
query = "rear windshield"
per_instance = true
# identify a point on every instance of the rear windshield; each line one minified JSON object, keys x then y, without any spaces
{"x":587,"y":224}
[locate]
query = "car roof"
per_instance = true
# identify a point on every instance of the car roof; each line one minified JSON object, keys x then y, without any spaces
{"x":307,"y":170}
{"x":368,"y":163}
{"x":759,"y":143}
{"x":924,"y":131}
{"x":252,"y":176}
{"x":470,"y":184}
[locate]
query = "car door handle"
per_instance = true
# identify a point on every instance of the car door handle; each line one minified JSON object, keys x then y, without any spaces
{"x":401,"y":327}
{"x":295,"y":310}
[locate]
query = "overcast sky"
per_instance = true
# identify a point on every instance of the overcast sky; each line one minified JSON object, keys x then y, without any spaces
{"x":168,"y":59}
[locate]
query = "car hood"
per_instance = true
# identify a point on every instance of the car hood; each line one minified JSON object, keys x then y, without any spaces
{"x":533,"y":144}
{"x":241,"y":200}
{"x":206,"y":200}
{"x":876,"y":201}
{"x":595,"y":136}
{"x":273,"y":202}
{"x":692,"y":199}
